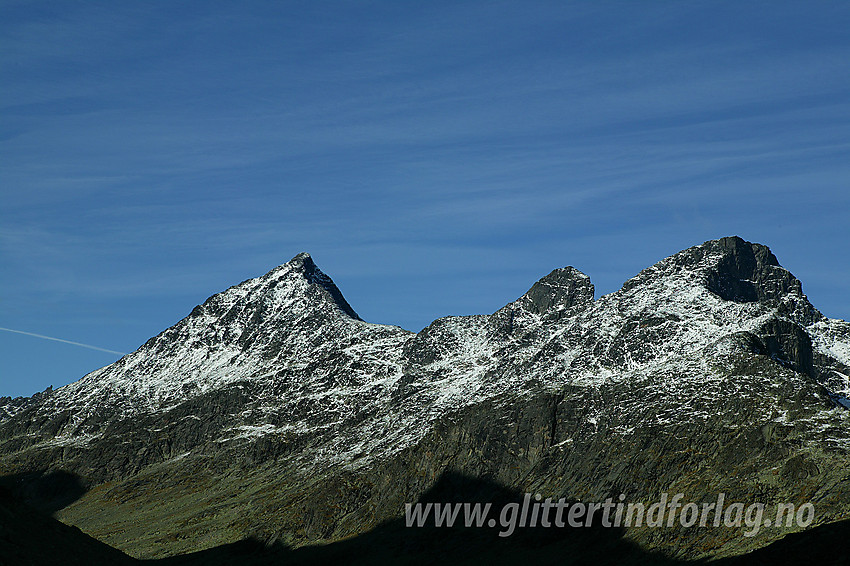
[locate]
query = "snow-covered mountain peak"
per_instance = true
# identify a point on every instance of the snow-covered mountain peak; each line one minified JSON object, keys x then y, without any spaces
{"x":298,"y":283}
{"x":290,"y":313}
{"x":729,"y":269}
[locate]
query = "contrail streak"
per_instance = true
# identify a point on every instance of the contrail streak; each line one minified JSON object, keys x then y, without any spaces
{"x":60,"y":340}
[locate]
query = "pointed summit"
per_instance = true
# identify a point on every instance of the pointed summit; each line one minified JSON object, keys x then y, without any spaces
{"x":296,"y":282}
{"x":303,"y":262}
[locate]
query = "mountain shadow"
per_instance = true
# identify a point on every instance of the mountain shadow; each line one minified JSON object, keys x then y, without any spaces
{"x":825,"y":544}
{"x":31,"y":537}
{"x":45,"y":491}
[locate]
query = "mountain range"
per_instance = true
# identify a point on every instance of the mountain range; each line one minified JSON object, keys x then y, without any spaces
{"x":274,"y":413}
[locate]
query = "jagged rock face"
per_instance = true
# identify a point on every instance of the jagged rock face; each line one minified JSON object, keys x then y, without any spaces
{"x":747,"y":273}
{"x":563,"y":288}
{"x":708,"y":371}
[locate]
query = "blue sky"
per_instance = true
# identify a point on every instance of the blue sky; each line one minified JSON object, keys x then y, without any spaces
{"x":434,"y":158}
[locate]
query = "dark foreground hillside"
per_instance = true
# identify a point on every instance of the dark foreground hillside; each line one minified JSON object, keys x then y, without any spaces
{"x":30,"y":537}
